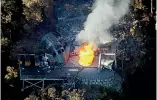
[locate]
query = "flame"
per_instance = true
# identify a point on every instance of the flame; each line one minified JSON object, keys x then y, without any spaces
{"x":86,"y":55}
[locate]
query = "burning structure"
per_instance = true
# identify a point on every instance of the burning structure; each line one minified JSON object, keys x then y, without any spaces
{"x":86,"y":55}
{"x":83,"y":65}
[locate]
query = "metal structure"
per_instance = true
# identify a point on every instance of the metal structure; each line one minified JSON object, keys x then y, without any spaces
{"x":29,"y":74}
{"x":55,"y":63}
{"x":50,"y":45}
{"x":21,"y":63}
{"x":105,"y":59}
{"x":32,"y":84}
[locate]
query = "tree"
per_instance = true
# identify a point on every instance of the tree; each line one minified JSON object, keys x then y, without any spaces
{"x":109,"y":94}
{"x":4,"y":42}
{"x":12,"y":19}
{"x":11,"y":75}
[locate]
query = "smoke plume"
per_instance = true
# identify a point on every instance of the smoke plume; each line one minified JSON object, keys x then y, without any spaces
{"x":104,"y":14}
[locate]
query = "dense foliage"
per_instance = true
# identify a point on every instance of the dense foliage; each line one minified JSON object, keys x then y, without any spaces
{"x":12,"y":19}
{"x":19,"y":19}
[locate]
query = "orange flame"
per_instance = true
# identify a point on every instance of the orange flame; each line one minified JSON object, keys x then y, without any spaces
{"x":86,"y":55}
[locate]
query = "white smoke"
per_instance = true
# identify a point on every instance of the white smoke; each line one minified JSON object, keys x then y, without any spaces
{"x":104,"y":14}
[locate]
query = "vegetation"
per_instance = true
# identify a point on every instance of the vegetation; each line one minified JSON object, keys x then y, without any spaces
{"x":109,"y":94}
{"x":19,"y":20}
{"x":33,"y":12}
{"x":12,"y":19}
{"x":143,"y":29}
{"x":134,"y":47}
{"x":51,"y":93}
{"x":21,"y":17}
{"x":31,"y":97}
{"x":11,"y":75}
{"x":4,"y":42}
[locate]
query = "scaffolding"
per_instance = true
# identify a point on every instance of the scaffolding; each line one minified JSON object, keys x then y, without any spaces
{"x":32,"y":84}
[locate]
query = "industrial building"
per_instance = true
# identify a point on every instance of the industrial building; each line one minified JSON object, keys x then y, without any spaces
{"x":57,"y":61}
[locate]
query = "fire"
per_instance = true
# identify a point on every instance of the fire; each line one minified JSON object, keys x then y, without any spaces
{"x":86,"y":55}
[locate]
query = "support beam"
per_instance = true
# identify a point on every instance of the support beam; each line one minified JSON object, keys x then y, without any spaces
{"x":32,"y":84}
{"x":115,"y":61}
{"x":43,"y":84}
{"x":151,"y":6}
{"x":99,"y":64}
